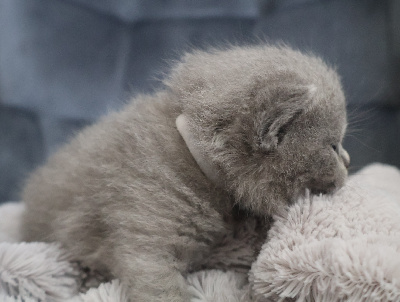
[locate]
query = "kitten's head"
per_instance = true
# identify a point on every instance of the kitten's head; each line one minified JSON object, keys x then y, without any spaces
{"x":265,"y":123}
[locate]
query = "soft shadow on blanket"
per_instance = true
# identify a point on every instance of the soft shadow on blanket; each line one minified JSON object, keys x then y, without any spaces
{"x":344,"y":247}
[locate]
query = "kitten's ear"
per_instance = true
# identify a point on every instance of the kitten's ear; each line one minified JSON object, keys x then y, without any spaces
{"x":299,"y":100}
{"x":192,"y":143}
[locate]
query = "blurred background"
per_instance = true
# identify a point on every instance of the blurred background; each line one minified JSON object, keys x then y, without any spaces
{"x":64,"y":63}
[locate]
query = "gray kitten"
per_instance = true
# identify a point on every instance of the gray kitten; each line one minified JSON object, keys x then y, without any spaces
{"x":148,"y":192}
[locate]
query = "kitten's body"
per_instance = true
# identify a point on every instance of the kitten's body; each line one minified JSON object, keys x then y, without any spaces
{"x":146,"y":193}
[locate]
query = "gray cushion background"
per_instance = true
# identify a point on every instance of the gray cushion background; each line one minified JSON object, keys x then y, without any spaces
{"x":64,"y":63}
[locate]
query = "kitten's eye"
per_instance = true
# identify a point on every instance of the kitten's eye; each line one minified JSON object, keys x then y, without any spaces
{"x":334,"y":147}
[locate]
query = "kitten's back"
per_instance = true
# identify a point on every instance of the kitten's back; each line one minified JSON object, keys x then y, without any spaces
{"x":123,"y":165}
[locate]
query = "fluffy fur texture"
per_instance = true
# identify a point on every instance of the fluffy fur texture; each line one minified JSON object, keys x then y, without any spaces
{"x":36,"y":270}
{"x":148,"y":193}
{"x":342,"y":248}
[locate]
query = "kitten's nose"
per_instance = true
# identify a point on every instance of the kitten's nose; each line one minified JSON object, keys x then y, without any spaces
{"x":345,"y":157}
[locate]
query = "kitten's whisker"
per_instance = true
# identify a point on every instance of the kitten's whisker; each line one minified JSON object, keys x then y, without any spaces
{"x":367,"y":146}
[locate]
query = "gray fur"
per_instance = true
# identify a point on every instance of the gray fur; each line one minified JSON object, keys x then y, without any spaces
{"x":126,"y":196}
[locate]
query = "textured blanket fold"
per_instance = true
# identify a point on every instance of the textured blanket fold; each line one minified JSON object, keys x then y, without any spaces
{"x":344,"y":247}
